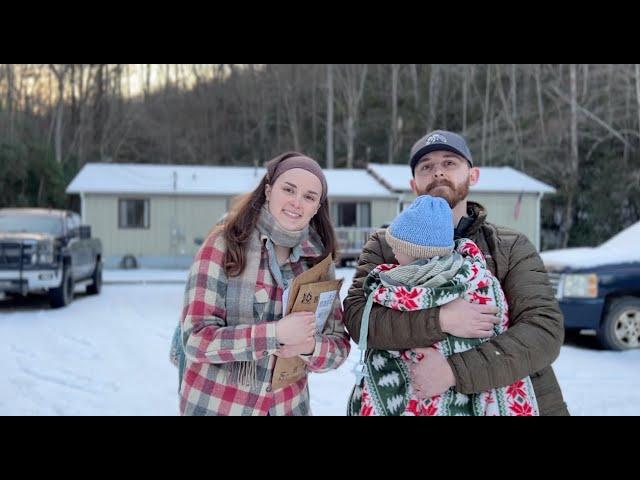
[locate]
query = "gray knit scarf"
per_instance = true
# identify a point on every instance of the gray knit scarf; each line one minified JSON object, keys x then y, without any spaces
{"x":241,"y":289}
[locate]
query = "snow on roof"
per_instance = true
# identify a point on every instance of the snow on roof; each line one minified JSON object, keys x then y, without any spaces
{"x":164,"y":179}
{"x":621,"y":248}
{"x":492,"y":179}
{"x":354,"y":183}
{"x":114,"y":178}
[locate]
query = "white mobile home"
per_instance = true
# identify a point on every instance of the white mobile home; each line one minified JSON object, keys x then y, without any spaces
{"x":158,"y":214}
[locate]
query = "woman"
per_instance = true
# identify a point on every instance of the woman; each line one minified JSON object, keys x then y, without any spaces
{"x":232,"y":323}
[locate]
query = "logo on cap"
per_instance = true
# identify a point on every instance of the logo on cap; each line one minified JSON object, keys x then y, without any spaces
{"x":435,"y":138}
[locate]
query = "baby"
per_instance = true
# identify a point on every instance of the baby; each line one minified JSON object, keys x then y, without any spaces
{"x":432,"y":271}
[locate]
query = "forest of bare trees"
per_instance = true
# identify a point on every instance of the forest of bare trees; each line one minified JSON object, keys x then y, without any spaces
{"x":575,"y":127}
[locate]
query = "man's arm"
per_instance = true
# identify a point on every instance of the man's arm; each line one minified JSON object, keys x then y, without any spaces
{"x":388,"y":329}
{"x":534,"y":338}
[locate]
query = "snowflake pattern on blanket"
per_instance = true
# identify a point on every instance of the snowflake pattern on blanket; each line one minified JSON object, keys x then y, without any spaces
{"x":386,"y":389}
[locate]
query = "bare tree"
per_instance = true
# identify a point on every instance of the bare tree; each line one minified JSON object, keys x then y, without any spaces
{"x":60,"y":72}
{"x":288,"y":78}
{"x":638,"y":92}
{"x":510,"y":112}
{"x":330,"y":103}
{"x":465,"y":96}
{"x":485,"y":114}
{"x":519,"y":115}
{"x":393,"y":130}
{"x":540,"y":103}
{"x":10,"y":99}
{"x":416,"y":86}
{"x":572,"y":177}
{"x":434,"y":95}
{"x":351,"y":80}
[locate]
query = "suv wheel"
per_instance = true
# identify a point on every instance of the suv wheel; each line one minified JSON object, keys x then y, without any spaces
{"x":620,"y":329}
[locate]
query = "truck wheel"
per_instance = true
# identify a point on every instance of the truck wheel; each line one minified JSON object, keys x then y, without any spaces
{"x":63,"y":295}
{"x":95,"y":287}
{"x":620,"y":329}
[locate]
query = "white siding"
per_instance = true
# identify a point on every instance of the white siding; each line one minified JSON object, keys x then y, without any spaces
{"x":383,"y":212}
{"x":192,"y":217}
{"x":501,"y":211}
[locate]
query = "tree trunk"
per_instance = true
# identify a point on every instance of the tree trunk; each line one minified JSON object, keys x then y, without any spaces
{"x":98,"y":110}
{"x":444,"y":97}
{"x":416,"y":86}
{"x":574,"y":120}
{"x":514,"y":116}
{"x":60,"y":72}
{"x":572,"y":182}
{"x":314,"y":110}
{"x":353,"y":78}
{"x":485,"y":113}
{"x":330,"y":103}
{"x":539,"y":102}
{"x":10,"y":99}
{"x":351,"y":140}
{"x":610,"y":94}
{"x":637,"y":65}
{"x":393,"y":131}
{"x":434,"y":93}
{"x":508,"y":111}
{"x":291,"y":99}
{"x":465,"y":97}
{"x":59,"y":115}
{"x":147,"y":82}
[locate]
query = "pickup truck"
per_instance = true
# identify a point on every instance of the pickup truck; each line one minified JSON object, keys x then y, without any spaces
{"x":599,"y":288}
{"x":47,"y":251}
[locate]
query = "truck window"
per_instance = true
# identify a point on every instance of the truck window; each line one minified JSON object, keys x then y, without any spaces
{"x":30,"y":224}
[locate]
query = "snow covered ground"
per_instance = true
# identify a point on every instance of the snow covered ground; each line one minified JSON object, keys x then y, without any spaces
{"x":144,"y":276}
{"x":108,"y":355}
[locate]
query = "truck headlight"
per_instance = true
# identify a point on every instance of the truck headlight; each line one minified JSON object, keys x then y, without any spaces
{"x":45,"y":253}
{"x":580,"y":285}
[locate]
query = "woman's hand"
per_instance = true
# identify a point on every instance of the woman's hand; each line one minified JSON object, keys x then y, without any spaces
{"x":296,"y":328}
{"x":289,"y":351}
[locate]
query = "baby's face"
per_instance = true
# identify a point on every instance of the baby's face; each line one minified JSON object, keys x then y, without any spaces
{"x":403,"y":259}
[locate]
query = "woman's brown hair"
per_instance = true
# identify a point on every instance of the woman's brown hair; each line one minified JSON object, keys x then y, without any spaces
{"x":243,"y":217}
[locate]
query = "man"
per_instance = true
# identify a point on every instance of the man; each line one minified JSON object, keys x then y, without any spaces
{"x":442,"y":166}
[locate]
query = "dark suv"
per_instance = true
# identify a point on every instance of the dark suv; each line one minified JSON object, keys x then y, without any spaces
{"x":599,"y":288}
{"x":47,"y":251}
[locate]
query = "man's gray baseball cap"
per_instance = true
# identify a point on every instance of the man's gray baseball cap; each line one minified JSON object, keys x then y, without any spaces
{"x":439,"y":140}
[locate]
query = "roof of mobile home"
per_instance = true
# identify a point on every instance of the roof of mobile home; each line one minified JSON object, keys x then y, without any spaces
{"x":492,"y":179}
{"x":118,"y":178}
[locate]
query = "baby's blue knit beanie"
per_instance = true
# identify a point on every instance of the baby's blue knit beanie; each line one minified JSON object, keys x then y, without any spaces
{"x":424,"y":229}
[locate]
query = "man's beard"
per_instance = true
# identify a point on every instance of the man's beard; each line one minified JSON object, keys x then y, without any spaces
{"x":452,"y":194}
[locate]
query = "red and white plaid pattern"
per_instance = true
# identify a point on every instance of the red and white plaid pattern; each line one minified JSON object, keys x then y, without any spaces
{"x":211,"y":345}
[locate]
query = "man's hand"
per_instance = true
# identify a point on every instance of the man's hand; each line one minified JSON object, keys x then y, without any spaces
{"x":289,"y":351}
{"x":468,"y":320}
{"x":432,"y":375}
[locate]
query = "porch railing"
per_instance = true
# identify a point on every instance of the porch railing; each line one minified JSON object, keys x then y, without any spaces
{"x":351,"y":240}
